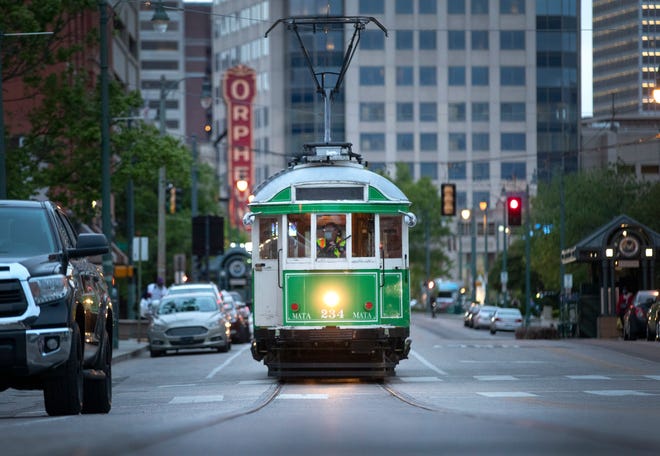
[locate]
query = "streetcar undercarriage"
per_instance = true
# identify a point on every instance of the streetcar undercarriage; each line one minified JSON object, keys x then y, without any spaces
{"x":331,"y":351}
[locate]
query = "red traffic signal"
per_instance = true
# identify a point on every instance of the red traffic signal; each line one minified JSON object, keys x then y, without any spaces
{"x":514,"y":210}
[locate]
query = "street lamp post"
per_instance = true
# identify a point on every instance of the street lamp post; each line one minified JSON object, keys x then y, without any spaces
{"x":468,"y":214}
{"x":483,"y":205}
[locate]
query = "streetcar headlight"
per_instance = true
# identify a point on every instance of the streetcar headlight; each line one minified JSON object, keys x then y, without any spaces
{"x":330,"y":298}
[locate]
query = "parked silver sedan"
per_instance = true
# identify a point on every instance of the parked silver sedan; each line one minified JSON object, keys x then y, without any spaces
{"x":508,"y":319}
{"x":188,"y":321}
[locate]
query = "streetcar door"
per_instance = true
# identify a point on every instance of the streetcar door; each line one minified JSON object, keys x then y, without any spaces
{"x":267,"y":269}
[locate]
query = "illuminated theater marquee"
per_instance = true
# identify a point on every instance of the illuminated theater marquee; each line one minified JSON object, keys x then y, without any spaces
{"x":239,"y":91}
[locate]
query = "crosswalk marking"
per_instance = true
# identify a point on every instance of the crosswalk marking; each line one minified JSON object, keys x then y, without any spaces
{"x":618,"y":393}
{"x":507,"y":394}
{"x":302,"y":396}
{"x":419,"y":379}
{"x":196,"y":399}
{"x":589,"y":377}
{"x":492,"y":378}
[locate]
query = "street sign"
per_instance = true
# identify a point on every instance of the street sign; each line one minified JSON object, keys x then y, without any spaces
{"x":140,"y":248}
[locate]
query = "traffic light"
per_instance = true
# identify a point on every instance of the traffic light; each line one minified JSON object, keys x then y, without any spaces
{"x":208,"y":124}
{"x":514,"y":210}
{"x":178,"y":199}
{"x":172,"y":190}
{"x":448,"y":199}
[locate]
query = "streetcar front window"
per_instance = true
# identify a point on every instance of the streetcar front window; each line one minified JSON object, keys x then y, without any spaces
{"x":269,"y":229}
{"x":331,"y":236}
{"x":298,"y":236}
{"x":390,"y":236}
{"x":363,"y":236}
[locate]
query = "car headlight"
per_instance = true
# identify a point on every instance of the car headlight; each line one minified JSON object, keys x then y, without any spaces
{"x":48,"y":288}
{"x":157,"y":325}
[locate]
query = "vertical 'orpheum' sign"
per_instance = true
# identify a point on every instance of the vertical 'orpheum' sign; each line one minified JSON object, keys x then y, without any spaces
{"x":239,"y":89}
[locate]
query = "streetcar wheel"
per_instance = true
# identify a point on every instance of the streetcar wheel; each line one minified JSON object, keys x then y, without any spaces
{"x":97,"y":394}
{"x":63,"y":393}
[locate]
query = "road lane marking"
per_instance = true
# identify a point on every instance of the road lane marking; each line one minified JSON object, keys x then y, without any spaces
{"x":197,"y":399}
{"x":507,"y":394}
{"x":257,"y":382}
{"x":653,"y":377}
{"x":421,"y":359}
{"x":226,"y":363}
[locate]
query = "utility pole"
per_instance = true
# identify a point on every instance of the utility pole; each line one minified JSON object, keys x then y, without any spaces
{"x":160,"y":260}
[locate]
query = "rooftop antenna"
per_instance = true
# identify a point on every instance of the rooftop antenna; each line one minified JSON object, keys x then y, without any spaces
{"x":323,"y":78}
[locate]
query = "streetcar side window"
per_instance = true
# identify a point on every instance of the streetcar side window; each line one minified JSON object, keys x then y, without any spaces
{"x":298,"y":236}
{"x":390,"y":236}
{"x":269,"y":229}
{"x":331,"y":236}
{"x":363,"y":235}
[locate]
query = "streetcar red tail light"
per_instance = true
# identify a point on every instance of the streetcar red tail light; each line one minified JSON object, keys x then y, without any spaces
{"x":295,"y":307}
{"x":368,"y":305}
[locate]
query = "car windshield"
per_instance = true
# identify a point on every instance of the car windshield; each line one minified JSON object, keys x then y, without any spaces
{"x":24,"y":232}
{"x":189,"y":289}
{"x":170,"y":305}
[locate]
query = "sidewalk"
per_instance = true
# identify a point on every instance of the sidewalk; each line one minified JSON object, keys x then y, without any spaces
{"x":129,"y":348}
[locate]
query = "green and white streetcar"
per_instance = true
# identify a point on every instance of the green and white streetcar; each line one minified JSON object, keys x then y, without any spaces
{"x":330,"y":264}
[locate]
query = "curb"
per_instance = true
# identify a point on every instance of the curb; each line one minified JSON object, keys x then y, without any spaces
{"x":129,"y":354}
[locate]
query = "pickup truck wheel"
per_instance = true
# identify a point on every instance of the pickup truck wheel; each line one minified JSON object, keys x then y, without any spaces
{"x":63,"y":392}
{"x":97,"y":393}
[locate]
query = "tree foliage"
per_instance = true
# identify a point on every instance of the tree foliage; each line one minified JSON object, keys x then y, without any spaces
{"x":431,"y":233}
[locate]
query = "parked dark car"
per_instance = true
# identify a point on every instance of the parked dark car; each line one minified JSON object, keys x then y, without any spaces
{"x":56,"y":316}
{"x":653,"y":320}
{"x":469,"y":313}
{"x":240,"y":326}
{"x":635,"y":317}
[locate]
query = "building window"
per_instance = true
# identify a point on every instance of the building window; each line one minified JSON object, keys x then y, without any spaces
{"x":372,"y":112}
{"x":427,"y":7}
{"x":405,"y":141}
{"x":456,"y":75}
{"x":404,"y":76}
{"x":404,"y":112}
{"x":456,"y":170}
{"x":512,"y":6}
{"x":455,"y":39}
{"x":479,"y":6}
{"x":372,"y":75}
{"x":404,"y":39}
{"x":480,"y":142}
{"x":480,"y":76}
{"x":372,"y":40}
{"x":372,"y":141}
{"x":427,"y":76}
{"x":428,"y":142}
{"x":480,"y":112}
{"x":513,"y":171}
{"x":512,"y":40}
{"x":403,"y":7}
{"x":371,"y":7}
{"x":428,"y":112}
{"x":480,"y":171}
{"x":456,"y":7}
{"x":457,"y":142}
{"x":427,"y":39}
{"x":512,"y":141}
{"x":512,"y":112}
{"x":512,"y":76}
{"x":456,"y":112}
{"x":429,"y":169}
{"x":479,"y":40}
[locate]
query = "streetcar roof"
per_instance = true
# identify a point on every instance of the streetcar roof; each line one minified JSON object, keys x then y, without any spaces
{"x":329,"y":175}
